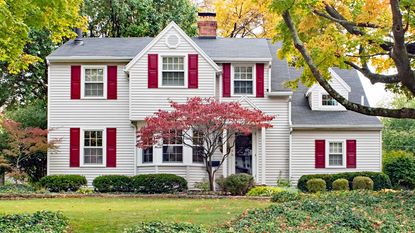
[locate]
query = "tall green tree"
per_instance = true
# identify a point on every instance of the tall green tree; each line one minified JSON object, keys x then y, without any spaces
{"x":128,"y":18}
{"x":17,"y":18}
{"x":372,"y":36}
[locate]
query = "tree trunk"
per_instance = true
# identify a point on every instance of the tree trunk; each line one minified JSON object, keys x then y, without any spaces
{"x":2,"y":177}
{"x":211,"y":176}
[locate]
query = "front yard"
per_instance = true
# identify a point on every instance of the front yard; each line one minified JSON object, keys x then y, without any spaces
{"x":114,"y":214}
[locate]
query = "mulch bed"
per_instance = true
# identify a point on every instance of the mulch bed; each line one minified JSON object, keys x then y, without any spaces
{"x":15,"y":196}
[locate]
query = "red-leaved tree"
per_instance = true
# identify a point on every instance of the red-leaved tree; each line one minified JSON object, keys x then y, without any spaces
{"x":22,"y":143}
{"x":215,"y":123}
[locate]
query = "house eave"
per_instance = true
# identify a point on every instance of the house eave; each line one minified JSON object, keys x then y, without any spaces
{"x":245,"y":59}
{"x":336,"y":127}
{"x":279,"y":93}
{"x":88,"y":59}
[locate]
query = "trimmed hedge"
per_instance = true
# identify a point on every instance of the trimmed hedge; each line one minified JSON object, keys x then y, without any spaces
{"x":158,"y":183}
{"x":41,"y":221}
{"x":112,"y":183}
{"x":380,"y":180}
{"x":238,"y":184}
{"x":401,"y":171}
{"x":264,"y":191}
{"x":59,"y":183}
{"x":316,"y":185}
{"x":341,"y":185}
{"x":285,"y":196}
{"x":362,"y":182}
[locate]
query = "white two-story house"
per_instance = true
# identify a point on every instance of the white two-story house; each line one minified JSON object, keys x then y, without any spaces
{"x":101,"y":90}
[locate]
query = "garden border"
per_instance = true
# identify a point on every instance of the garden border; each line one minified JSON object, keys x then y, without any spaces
{"x":19,"y":196}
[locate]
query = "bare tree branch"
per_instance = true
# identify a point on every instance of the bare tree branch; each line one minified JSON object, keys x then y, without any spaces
{"x":374,"y":77}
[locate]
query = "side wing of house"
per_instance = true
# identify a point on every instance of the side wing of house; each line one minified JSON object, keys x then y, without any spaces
{"x":326,"y":138}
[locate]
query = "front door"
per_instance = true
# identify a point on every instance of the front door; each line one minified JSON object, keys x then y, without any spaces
{"x":243,"y":153}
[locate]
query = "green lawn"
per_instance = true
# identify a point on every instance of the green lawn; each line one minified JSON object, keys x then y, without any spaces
{"x":114,"y":214}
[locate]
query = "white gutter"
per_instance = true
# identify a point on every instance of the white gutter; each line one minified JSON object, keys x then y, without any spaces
{"x":289,"y":139}
{"x":87,"y":58}
{"x":233,"y":59}
{"x":280,"y":93}
{"x":345,"y":127}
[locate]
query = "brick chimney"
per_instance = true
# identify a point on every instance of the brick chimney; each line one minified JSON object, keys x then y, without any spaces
{"x":207,"y":25}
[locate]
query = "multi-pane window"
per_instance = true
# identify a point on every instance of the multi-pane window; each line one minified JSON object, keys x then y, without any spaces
{"x":93,"y":147}
{"x":335,"y":154}
{"x":173,"y":71}
{"x":148,"y":155}
{"x":173,"y":148}
{"x":94,"y":82}
{"x":198,"y":147}
{"x":327,"y":100}
{"x":243,"y":81}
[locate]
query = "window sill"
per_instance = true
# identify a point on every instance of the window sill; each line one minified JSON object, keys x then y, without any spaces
{"x":93,"y":98}
{"x":336,"y":167}
{"x":173,"y":87}
{"x":92,"y":166}
{"x":171,"y":165}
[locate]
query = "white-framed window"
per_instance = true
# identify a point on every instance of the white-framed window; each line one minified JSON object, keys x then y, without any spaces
{"x":173,"y":71}
{"x":173,"y":148}
{"x":327,"y":100}
{"x":198,"y":147}
{"x":94,"y":80}
{"x":93,"y":147}
{"x":243,"y":79}
{"x":336,"y":154}
{"x":147,"y":155}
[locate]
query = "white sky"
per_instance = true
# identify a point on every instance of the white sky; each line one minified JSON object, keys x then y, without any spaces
{"x":376,"y":94}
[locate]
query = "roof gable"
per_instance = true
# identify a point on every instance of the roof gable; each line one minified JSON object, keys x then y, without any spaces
{"x":335,"y":79}
{"x":171,"y":26}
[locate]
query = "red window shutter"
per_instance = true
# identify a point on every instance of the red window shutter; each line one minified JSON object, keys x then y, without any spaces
{"x":320,"y":154}
{"x":111,"y":147}
{"x":259,"y":80}
{"x":152,"y":71}
{"x":351,"y":153}
{"x":193,"y":70}
{"x":74,"y":153}
{"x":226,"y":79}
{"x":112,"y":82}
{"x":75,"y":82}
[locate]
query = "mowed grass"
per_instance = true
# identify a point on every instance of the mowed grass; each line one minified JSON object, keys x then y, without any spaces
{"x":114,"y":214}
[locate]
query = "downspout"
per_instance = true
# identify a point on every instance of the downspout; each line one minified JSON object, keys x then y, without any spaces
{"x":134,"y":125}
{"x":289,"y":138}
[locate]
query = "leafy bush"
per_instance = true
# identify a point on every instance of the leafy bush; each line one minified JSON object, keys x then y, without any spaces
{"x":42,"y":221}
{"x":316,"y":185}
{"x":333,"y":212}
{"x":112,"y":183}
{"x":401,"y":171}
{"x":238,"y":184}
{"x":85,"y":190}
{"x":341,"y":185}
{"x":362,"y":182}
{"x":158,"y":183}
{"x":59,"y":183}
{"x":391,"y":155}
{"x":380,"y":180}
{"x":153,"y":227}
{"x":283,"y":183}
{"x":285,"y":196}
{"x":202,"y":186}
{"x":16,"y":188}
{"x":264,"y":191}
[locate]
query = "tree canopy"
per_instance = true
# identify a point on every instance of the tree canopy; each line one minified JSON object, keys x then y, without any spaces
{"x":138,"y":17}
{"x":375,"y":37}
{"x":18,"y":18}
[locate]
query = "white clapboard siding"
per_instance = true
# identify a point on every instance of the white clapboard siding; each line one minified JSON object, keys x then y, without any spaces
{"x":315,"y":97}
{"x":368,"y":155}
{"x":145,"y":101}
{"x":64,"y":113}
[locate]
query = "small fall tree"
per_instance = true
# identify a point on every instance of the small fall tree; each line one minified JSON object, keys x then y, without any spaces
{"x":215,"y":123}
{"x":22,"y":143}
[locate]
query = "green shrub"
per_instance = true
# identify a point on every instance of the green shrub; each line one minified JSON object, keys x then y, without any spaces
{"x":362,"y":182}
{"x":283,"y":183}
{"x":59,"y":183}
{"x":112,"y":183}
{"x":380,"y":180}
{"x":264,"y":191}
{"x":285,"y":196}
{"x":316,"y":185}
{"x":401,"y":171}
{"x":85,"y":190}
{"x":341,"y":185}
{"x":391,"y":155}
{"x":154,"y":227}
{"x":42,"y":221}
{"x":238,"y":184}
{"x":220,"y":181}
{"x":202,"y":186}
{"x":158,"y":183}
{"x":16,"y":188}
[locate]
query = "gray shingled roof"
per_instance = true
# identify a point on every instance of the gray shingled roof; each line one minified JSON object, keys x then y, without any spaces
{"x":217,"y":49}
{"x":279,"y":69}
{"x":303,"y":115}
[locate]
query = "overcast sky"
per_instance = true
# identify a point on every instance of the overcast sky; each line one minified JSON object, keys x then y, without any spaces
{"x":376,"y":94}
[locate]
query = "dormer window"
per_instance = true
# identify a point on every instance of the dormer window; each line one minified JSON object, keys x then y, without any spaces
{"x":243,"y":79}
{"x":327,"y":100}
{"x":173,"y":71}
